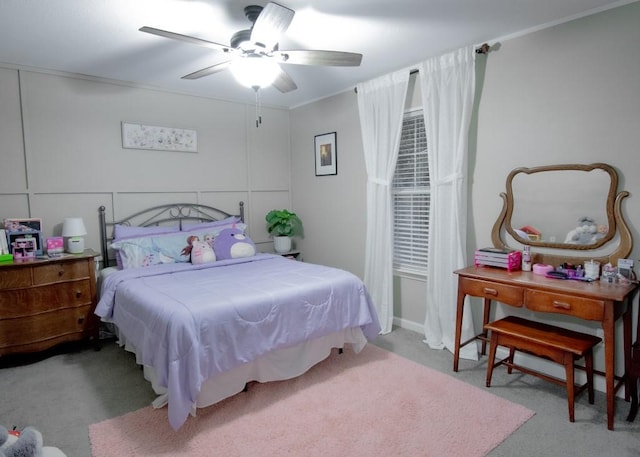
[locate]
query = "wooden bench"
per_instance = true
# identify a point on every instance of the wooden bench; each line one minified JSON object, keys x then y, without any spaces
{"x":561,"y":345}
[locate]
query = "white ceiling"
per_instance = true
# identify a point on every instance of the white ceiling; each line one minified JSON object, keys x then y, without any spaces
{"x":100,"y":38}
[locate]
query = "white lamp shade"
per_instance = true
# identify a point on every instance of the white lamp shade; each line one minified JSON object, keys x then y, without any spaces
{"x":73,"y":230}
{"x":255,"y":71}
{"x":73,"y":226}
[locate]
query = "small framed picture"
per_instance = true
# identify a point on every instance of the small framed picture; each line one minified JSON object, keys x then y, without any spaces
{"x":24,"y":248}
{"x":21,"y":224}
{"x":25,"y":239}
{"x":326,"y":154}
{"x":625,"y":268}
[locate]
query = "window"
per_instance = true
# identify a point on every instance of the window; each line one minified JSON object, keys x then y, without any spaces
{"x":411,"y":193}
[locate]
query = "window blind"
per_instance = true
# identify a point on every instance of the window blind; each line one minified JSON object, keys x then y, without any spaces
{"x":411,"y":194}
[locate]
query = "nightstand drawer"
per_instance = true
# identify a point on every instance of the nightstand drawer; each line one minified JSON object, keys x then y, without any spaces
{"x":15,"y":277}
{"x":546,"y":302}
{"x":35,"y":300}
{"x":63,"y":271}
{"x":509,"y":295}
{"x":39,"y":331}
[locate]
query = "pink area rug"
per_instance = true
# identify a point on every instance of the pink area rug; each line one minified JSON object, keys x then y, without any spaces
{"x":370,"y":404}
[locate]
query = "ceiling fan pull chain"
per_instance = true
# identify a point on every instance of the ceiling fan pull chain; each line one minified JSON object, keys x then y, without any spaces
{"x":258,"y":116}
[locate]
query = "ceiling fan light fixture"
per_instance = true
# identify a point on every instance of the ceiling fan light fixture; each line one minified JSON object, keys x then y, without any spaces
{"x":254,"y":71}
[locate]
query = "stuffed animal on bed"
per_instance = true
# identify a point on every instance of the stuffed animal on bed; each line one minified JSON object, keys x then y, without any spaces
{"x":201,"y":253}
{"x":232,"y":243}
{"x":27,"y":443}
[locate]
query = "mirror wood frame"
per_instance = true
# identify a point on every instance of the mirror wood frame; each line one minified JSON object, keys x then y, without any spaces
{"x":572,"y":253}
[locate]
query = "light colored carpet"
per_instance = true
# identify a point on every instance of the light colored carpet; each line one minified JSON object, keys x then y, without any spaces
{"x":370,"y":404}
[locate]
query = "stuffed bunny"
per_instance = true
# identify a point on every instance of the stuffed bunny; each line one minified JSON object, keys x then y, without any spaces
{"x":27,"y":444}
{"x":201,"y":252}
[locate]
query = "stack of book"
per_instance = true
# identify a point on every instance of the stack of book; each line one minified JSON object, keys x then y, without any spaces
{"x":495,"y":257}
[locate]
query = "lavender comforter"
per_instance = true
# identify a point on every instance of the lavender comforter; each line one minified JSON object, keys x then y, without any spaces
{"x":192,"y":322}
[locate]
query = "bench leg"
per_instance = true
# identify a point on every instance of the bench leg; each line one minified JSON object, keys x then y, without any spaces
{"x":512,"y":351}
{"x":492,"y":356}
{"x":588,"y":362}
{"x":568,"y":365}
{"x":633,"y":393}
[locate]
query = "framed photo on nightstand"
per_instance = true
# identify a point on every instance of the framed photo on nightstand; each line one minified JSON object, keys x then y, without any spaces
{"x":25,"y":241}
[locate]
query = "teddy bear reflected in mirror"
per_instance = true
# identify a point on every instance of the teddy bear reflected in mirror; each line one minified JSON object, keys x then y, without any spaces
{"x":27,"y":443}
{"x":587,"y":232}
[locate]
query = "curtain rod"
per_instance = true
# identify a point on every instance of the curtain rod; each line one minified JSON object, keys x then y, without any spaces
{"x":483,"y":49}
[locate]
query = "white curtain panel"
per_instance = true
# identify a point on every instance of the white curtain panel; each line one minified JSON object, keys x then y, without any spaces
{"x":448,"y":86}
{"x":381,"y":105}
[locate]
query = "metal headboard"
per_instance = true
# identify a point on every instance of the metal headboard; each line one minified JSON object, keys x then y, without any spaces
{"x":162,"y":214}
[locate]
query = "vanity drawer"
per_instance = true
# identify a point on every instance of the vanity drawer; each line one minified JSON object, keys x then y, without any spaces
{"x":546,"y":302}
{"x":509,"y":295}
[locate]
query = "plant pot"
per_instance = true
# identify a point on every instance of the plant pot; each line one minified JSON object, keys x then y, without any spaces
{"x":282,"y":244}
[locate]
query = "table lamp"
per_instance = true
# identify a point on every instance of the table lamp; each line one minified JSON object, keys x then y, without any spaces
{"x":73,"y":231}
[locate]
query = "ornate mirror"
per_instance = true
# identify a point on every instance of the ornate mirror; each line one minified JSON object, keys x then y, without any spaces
{"x":565,"y":212}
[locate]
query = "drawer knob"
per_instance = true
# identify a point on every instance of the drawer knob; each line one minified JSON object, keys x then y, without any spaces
{"x":78,"y":293}
{"x":81,"y":320}
{"x":489,"y":291}
{"x":561,"y":304}
{"x":60,"y":272}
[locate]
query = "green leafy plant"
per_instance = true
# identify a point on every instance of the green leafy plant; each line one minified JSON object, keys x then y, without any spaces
{"x":283,"y":223}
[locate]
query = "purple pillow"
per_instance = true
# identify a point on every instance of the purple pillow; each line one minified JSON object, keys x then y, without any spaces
{"x":229,"y":221}
{"x":124,"y":231}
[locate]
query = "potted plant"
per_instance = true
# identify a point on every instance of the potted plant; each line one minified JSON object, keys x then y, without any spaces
{"x":282,"y":225}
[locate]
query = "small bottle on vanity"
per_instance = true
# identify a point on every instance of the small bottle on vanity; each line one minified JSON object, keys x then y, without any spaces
{"x":526,"y":258}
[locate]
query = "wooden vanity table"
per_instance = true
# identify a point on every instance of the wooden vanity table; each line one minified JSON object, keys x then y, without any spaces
{"x":595,"y":301}
{"x":538,"y":197}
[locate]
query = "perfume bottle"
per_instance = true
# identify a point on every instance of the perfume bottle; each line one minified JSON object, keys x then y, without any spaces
{"x":526,"y":258}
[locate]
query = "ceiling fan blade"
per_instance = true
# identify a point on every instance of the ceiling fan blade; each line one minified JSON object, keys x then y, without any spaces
{"x":329,"y":58}
{"x":283,"y":82}
{"x":185,"y":38}
{"x":273,"y":20}
{"x":208,"y":71}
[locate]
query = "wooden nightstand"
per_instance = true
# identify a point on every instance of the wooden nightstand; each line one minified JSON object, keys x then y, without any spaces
{"x":295,"y":255}
{"x":45,"y":302}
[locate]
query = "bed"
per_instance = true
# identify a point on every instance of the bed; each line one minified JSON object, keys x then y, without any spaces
{"x":203,"y":331}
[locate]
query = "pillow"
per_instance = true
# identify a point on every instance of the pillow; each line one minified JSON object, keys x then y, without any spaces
{"x":125,"y":231}
{"x":232,"y":243}
{"x":224,"y":223}
{"x":162,"y":248}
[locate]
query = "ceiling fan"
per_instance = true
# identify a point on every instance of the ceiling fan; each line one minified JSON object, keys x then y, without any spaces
{"x":254,"y":57}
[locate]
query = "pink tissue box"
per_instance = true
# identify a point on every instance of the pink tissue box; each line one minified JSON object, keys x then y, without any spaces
{"x":55,"y":246}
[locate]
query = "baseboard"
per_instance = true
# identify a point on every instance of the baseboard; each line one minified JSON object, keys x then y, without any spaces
{"x":409,"y":325}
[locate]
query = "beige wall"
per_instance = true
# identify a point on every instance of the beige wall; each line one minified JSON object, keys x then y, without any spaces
{"x":567,"y":94}
{"x":332,"y":208}
{"x":62,"y":155}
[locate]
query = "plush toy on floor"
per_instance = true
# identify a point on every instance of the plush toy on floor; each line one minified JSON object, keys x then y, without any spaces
{"x":27,"y":443}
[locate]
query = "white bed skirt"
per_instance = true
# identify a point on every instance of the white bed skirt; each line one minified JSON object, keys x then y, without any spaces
{"x":276,"y":365}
